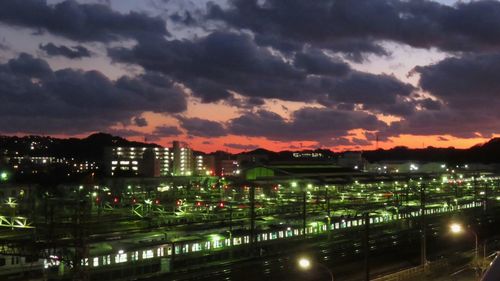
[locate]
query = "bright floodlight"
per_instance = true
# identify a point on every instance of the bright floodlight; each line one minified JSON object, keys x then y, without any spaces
{"x":304,"y":263}
{"x":456,"y":228}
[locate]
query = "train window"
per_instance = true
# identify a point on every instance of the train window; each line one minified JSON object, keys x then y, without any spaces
{"x":134,"y":256}
{"x":177,"y":249}
{"x":237,"y":241}
{"x":169,"y":250}
{"x":195,"y":247}
{"x":147,"y":254}
{"x":95,"y":262}
{"x":159,"y":252}
{"x":119,"y":258}
{"x":106,"y":260}
{"x":217,"y":244}
{"x":185,"y":248}
{"x":207,"y":245}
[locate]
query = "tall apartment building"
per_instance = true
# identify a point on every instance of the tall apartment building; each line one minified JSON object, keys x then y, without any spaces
{"x":138,"y":161}
{"x":204,"y":165}
{"x":179,"y":160}
{"x":182,"y":160}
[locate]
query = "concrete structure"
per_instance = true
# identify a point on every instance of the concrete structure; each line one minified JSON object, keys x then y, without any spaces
{"x":230,"y":167}
{"x":353,"y":160}
{"x":391,"y":167}
{"x":204,"y":165}
{"x":144,"y":161}
{"x":182,"y":159}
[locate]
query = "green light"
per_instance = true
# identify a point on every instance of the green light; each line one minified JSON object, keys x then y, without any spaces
{"x":215,"y":237}
{"x":4,"y":176}
{"x":294,"y":184}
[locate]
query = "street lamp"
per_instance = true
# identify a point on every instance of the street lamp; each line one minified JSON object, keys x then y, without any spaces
{"x":457,"y":228}
{"x":305,"y":263}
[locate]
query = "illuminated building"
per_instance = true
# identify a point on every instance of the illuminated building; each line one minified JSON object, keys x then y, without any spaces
{"x":204,"y":165}
{"x":135,"y":161}
{"x":230,"y":168}
{"x":182,"y":159}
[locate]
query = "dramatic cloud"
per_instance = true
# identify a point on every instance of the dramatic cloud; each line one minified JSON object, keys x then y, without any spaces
{"x":470,"y":89}
{"x":241,"y":146}
{"x":166,"y":131}
{"x":218,"y":63}
{"x":318,"y":63}
{"x":139,"y":121}
{"x":311,"y":124}
{"x":81,"y":22}
{"x":202,"y":128}
{"x":380,"y":93}
{"x":355,"y":27}
{"x":468,"y":83}
{"x":36,"y":99}
{"x":75,"y":52}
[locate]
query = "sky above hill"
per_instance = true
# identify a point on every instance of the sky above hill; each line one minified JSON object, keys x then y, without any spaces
{"x":239,"y":74}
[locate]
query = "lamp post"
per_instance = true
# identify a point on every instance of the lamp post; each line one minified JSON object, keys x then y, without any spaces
{"x":457,"y":228}
{"x":306,"y":264}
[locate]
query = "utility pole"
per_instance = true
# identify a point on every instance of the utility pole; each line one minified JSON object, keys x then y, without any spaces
{"x":252,"y":218}
{"x":423,"y":241}
{"x":366,"y":244}
{"x":328,"y":213}
{"x":304,"y":211}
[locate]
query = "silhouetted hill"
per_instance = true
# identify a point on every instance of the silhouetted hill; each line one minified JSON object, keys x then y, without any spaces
{"x":90,"y":148}
{"x":483,"y":153}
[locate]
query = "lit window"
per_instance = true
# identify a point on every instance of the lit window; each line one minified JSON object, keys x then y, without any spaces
{"x":159,"y":252}
{"x":121,"y":257}
{"x":147,"y":254}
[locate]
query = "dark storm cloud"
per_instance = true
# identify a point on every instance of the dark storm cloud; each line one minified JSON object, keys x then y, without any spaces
{"x":305,"y":124}
{"x":221,"y":62}
{"x":430,"y":104}
{"x":378,"y":93}
{"x":36,"y":99}
{"x":81,"y":22}
{"x":466,"y":83}
{"x":318,"y":63}
{"x":354,"y":26}
{"x":75,"y":52}
{"x":202,"y":128}
{"x":370,"y":89}
{"x":29,"y":66}
{"x":345,"y":142}
{"x":456,"y":123}
{"x":166,"y":131}
{"x":470,"y":89}
{"x":140,"y":121}
{"x":241,"y":146}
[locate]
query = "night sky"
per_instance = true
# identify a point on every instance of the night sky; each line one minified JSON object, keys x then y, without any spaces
{"x":239,"y":74}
